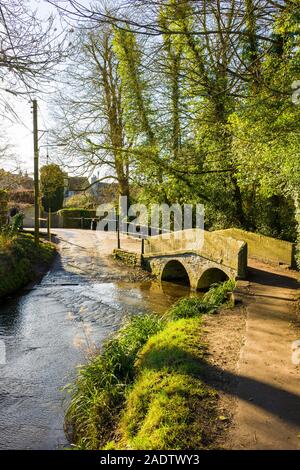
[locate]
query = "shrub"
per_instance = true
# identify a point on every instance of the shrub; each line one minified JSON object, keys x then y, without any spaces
{"x":18,"y":259}
{"x":81,"y":201}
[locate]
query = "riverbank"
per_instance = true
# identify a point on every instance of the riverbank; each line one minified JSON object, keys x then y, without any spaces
{"x":147,"y":387}
{"x":21,"y":262}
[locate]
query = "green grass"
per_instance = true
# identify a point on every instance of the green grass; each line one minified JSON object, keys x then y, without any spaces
{"x":146,"y":389}
{"x":100,"y":387}
{"x":169,"y":406}
{"x":191,"y":306}
{"x":218,"y":293}
{"x":166,"y":411}
{"x":19,"y":258}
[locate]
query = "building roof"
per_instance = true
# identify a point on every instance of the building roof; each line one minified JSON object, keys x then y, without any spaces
{"x":78,"y":183}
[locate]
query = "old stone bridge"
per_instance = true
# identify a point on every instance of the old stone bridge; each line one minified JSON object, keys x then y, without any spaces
{"x":195,"y":257}
{"x":199,"y":258}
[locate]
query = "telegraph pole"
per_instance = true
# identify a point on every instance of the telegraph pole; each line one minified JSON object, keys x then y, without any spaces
{"x":36,"y":173}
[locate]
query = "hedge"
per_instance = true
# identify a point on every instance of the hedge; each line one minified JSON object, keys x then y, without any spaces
{"x":77,"y":218}
{"x":3,"y":206}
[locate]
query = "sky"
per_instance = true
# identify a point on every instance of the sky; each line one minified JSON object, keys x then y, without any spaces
{"x":20,"y":133}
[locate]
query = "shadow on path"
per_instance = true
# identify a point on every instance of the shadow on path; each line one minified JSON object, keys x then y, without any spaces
{"x":280,"y":403}
{"x":273,"y":279}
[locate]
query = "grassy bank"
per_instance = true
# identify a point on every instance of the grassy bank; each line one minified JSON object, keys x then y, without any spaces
{"x":146,"y":389}
{"x":21,"y":260}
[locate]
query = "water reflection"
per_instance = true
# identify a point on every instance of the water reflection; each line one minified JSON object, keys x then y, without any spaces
{"x":9,"y":315}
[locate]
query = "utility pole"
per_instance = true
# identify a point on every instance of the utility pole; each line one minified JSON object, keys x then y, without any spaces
{"x":36,"y":173}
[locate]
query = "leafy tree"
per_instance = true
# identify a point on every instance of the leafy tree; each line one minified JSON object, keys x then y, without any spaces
{"x":52,"y":180}
{"x":206,"y":105}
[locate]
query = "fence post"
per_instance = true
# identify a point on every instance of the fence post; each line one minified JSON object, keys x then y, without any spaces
{"x":118,"y":231}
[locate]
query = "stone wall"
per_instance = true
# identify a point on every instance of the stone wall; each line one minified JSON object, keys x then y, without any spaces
{"x":195,"y":265}
{"x":28,"y":221}
{"x":262,"y":247}
{"x":61,"y":219}
{"x":127,"y":257}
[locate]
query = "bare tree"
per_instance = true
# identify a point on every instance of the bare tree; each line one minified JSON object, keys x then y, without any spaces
{"x":29,"y":48}
{"x":89,"y":111}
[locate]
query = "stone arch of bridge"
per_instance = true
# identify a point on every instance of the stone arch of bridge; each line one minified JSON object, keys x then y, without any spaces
{"x":211,"y":276}
{"x":174,"y":271}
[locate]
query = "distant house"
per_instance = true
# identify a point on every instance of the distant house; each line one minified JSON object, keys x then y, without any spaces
{"x":15,"y":181}
{"x":104,"y":192}
{"x":20,"y":188}
{"x":76,"y":185}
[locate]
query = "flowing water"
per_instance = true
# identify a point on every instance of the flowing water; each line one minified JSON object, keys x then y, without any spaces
{"x":48,"y":332}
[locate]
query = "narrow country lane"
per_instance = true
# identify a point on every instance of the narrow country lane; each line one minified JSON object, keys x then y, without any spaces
{"x":49,"y":330}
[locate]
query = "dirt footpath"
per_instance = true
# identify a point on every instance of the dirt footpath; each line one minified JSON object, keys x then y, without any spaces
{"x":261,"y":393}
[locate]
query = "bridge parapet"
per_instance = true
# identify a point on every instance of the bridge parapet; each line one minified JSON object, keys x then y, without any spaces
{"x":217,"y":248}
{"x":265,"y":248}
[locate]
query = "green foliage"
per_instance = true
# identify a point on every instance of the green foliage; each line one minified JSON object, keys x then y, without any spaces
{"x":19,"y":258}
{"x":218,"y":293}
{"x":169,"y":406}
{"x":101,"y":385}
{"x":17,"y":222}
{"x":200,"y":118}
{"x":189,"y":307}
{"x":194,"y":306}
{"x":80,"y":201}
{"x":52,"y":182}
{"x":136,"y":100}
{"x":9,"y":231}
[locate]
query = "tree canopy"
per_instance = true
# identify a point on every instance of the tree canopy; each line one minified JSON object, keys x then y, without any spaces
{"x":208,"y":99}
